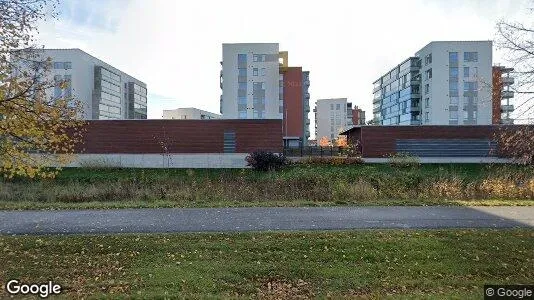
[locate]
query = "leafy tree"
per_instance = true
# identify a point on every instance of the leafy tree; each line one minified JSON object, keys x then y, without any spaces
{"x":342,"y":141}
{"x":37,"y":130}
{"x":517,"y":41}
{"x":324,"y":142}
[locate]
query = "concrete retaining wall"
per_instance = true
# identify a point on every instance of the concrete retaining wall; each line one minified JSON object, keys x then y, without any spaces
{"x":199,"y":161}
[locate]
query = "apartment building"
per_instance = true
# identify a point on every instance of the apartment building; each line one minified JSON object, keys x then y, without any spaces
{"x":332,"y":116}
{"x":444,"y":83}
{"x":502,"y":94}
{"x":358,"y":116}
{"x":250,"y":81}
{"x":104,"y":91}
{"x":258,"y":83}
{"x":189,"y":113}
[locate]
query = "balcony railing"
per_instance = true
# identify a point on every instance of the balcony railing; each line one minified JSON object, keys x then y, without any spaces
{"x":507,"y":94}
{"x":507,"y":108}
{"x":508,"y":80}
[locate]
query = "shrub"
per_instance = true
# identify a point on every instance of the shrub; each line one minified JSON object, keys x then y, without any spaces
{"x":266,"y":161}
{"x":331,"y":160}
{"x":403,"y":160}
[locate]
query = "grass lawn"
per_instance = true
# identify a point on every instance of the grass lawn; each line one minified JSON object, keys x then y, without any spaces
{"x":371,"y":263}
{"x":303,"y":185}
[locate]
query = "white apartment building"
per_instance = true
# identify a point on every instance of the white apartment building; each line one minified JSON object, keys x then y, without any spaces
{"x":445,"y":83}
{"x":104,"y":91}
{"x":189,"y":113}
{"x":250,"y":81}
{"x":331,"y":117}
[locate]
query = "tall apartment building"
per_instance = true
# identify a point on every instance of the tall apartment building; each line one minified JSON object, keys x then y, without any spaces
{"x":445,"y":83}
{"x":502,"y":95}
{"x":104,"y":91}
{"x":258,"y":83}
{"x":189,"y":113}
{"x":358,"y":116}
{"x":331,"y":117}
{"x":250,"y":81}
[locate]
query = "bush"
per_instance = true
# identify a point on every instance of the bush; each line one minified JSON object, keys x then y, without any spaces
{"x":331,"y":160}
{"x":403,"y":160}
{"x":266,"y":161}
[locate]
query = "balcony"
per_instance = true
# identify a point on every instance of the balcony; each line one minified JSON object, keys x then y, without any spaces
{"x":507,"y":121}
{"x":306,"y":82}
{"x":507,"y":94}
{"x":507,"y":108}
{"x":376,"y":89}
{"x":508,"y":80}
{"x":307,"y":108}
{"x":307,"y":96}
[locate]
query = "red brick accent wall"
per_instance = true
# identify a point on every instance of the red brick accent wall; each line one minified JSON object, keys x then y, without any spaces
{"x":180,"y":136}
{"x":379,"y":141}
{"x":496,"y":96}
{"x":293,"y":106}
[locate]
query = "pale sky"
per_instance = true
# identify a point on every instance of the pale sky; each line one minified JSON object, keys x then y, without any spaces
{"x":175,"y":46}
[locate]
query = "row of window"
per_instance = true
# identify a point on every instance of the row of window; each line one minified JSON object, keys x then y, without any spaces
{"x":257,"y":114}
{"x":109,"y":86}
{"x":468,"y":57}
{"x":453,"y":115}
{"x":109,"y":98}
{"x":110,"y":75}
{"x":257,"y":72}
{"x":139,"y":90}
{"x":62,"y":65}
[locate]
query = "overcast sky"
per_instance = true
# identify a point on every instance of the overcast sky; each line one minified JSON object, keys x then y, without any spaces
{"x":175,"y":46}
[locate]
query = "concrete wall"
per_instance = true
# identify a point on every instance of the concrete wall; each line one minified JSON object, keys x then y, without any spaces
{"x":200,"y":161}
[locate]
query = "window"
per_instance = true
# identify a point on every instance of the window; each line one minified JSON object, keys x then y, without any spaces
{"x":466,"y":115}
{"x":470,"y":56}
{"x":331,"y":106}
{"x":454,"y":100}
{"x":242,"y":58}
{"x":263,"y":72}
{"x":466,"y":72}
{"x":337,"y":106}
{"x":470,"y":86}
{"x":243,"y":71}
{"x":427,"y":88}
{"x":453,"y":115}
{"x":58,"y":65}
{"x":428,"y":74}
{"x":453,"y":72}
{"x":427,"y":118}
{"x":428,"y":59}
{"x":242,"y":114}
{"x":229,"y":144}
{"x":242,"y":100}
{"x":255,"y":72}
{"x":68,"y":65}
{"x":453,"y":57}
{"x":259,"y":57}
{"x":427,"y":102}
{"x":243,"y":86}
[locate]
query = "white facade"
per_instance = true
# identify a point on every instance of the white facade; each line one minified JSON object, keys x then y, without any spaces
{"x":189,"y":113}
{"x":104,"y":91}
{"x":445,"y":83}
{"x":331,"y":117}
{"x":474,"y":75}
{"x":250,"y":81}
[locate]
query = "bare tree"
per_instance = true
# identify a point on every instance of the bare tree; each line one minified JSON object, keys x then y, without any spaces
{"x":517,"y":42}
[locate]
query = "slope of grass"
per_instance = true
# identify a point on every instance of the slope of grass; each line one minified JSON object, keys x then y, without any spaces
{"x":368,"y":184}
{"x":398,"y":263}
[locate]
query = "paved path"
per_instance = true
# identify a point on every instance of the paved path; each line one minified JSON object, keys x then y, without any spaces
{"x":253,"y":219}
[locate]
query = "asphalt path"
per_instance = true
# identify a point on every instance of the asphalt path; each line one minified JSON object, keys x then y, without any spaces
{"x":260,"y":219}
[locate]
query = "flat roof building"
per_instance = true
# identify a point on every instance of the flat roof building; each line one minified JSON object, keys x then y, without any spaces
{"x":189,"y":113}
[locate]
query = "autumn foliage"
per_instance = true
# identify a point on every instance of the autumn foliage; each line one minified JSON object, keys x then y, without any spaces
{"x":39,"y":131}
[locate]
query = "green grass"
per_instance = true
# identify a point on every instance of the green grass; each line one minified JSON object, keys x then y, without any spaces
{"x":303,"y":185}
{"x":371,"y":263}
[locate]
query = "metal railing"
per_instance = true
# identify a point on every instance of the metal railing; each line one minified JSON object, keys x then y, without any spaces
{"x":315,"y":151}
